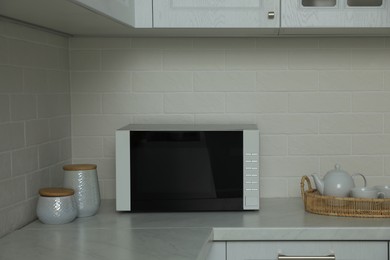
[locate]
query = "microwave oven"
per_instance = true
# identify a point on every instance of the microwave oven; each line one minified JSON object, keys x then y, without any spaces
{"x":161,"y":168}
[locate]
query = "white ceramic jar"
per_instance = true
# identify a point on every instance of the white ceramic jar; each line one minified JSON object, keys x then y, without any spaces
{"x":84,"y":180}
{"x":56,"y":206}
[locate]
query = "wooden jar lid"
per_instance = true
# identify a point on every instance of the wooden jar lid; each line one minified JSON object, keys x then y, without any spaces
{"x":55,"y":192}
{"x":79,"y":167}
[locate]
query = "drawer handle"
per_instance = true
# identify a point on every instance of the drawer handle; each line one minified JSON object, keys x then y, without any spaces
{"x":285,"y":257}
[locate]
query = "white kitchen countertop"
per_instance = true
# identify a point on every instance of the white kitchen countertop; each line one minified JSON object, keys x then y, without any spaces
{"x":115,"y":235}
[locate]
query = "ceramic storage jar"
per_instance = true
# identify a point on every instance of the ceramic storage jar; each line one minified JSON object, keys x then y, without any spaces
{"x":84,"y":180}
{"x":56,"y":206}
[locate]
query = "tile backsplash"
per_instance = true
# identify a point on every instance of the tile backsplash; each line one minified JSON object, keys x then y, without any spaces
{"x":316,"y":101}
{"x":35,"y":133}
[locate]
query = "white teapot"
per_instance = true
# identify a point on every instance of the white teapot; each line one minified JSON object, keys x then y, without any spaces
{"x":336,"y":182}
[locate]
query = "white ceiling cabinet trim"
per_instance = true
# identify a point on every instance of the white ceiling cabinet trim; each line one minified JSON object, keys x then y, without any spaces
{"x":216,"y":14}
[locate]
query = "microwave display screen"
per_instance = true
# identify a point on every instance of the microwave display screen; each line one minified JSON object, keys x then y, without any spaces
{"x":186,"y":170}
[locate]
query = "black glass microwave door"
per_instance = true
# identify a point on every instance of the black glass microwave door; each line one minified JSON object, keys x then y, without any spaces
{"x":174,"y":171}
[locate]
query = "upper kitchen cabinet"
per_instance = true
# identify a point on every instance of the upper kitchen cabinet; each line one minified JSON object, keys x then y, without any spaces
{"x":140,"y":18}
{"x":83,"y":17}
{"x":136,"y":13}
{"x":335,"y":17}
{"x":260,"y":14}
{"x":197,"y":18}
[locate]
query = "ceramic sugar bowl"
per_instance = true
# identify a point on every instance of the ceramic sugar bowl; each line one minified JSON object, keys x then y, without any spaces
{"x":56,"y":206}
{"x":336,"y":182}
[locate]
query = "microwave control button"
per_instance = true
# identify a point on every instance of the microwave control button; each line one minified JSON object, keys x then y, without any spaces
{"x":251,"y":162}
{"x":250,"y":183}
{"x":251,"y":168}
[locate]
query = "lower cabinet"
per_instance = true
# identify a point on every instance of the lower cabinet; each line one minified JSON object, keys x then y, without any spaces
{"x":217,"y":251}
{"x":341,"y":250}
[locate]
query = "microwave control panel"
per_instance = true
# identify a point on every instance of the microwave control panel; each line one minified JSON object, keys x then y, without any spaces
{"x":251,"y":170}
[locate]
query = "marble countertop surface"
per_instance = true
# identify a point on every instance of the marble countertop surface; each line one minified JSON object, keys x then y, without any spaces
{"x":124,"y":235}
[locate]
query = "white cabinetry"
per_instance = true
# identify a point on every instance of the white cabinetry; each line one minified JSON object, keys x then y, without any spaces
{"x":217,"y":251}
{"x":136,"y":13}
{"x":335,"y":14}
{"x":204,"y":17}
{"x":364,"y":250}
{"x":216,"y":14}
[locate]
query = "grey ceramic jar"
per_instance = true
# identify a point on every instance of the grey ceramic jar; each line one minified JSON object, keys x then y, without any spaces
{"x":84,"y":180}
{"x":56,"y":206}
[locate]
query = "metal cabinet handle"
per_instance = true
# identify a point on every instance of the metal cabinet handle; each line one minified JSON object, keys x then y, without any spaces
{"x":285,"y":257}
{"x":271,"y":15}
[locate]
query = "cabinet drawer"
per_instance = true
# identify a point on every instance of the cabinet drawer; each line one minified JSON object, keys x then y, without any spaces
{"x":364,"y":250}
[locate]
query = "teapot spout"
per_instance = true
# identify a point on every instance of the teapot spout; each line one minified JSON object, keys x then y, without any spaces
{"x":318,"y":182}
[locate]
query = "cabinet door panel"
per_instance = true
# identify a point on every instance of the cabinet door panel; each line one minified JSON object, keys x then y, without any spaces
{"x":335,"y":14}
{"x":215,"y":14}
{"x":342,"y":250}
{"x":217,"y":251}
{"x":137,"y":13}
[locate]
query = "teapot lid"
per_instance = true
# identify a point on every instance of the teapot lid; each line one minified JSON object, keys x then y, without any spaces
{"x":337,"y":169}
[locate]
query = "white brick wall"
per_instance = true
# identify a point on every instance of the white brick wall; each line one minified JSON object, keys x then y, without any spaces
{"x":316,"y":101}
{"x":34,"y":119}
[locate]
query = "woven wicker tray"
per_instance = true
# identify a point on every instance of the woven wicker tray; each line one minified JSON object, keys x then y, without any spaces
{"x":344,"y":207}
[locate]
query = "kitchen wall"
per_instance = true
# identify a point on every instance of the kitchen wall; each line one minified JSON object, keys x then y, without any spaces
{"x":34,"y":119}
{"x":316,"y":101}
